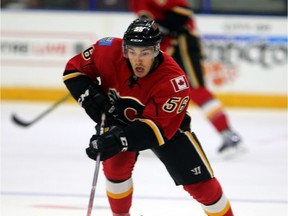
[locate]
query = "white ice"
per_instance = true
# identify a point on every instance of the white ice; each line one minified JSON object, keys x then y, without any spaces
{"x":45,"y":171}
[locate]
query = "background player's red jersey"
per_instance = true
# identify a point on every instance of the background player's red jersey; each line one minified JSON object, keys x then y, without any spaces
{"x":155,"y":8}
{"x":158,"y":10}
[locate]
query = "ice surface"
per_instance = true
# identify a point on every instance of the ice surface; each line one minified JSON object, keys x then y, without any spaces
{"x":45,"y":171}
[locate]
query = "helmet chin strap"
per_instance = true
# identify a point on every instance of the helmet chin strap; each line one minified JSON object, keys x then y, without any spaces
{"x":132,"y":80}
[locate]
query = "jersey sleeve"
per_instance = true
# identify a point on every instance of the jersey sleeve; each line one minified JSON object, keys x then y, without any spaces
{"x":84,"y":69}
{"x":168,"y":107}
{"x":168,"y":4}
{"x":80,"y":72}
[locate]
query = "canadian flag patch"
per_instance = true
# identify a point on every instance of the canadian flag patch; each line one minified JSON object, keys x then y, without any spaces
{"x":179,"y":83}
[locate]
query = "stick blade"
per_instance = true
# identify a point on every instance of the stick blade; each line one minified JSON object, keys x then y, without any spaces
{"x":19,"y":122}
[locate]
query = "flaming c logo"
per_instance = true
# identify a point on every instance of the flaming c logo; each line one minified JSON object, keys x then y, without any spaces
{"x":127,"y":109}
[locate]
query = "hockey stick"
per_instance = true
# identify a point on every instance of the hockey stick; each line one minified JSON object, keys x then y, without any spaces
{"x":22,"y":123}
{"x":100,"y":130}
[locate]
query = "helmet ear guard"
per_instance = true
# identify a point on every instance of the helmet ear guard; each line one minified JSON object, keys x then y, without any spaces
{"x":142,"y":33}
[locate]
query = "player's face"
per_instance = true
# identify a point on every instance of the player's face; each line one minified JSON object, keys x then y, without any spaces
{"x":141,"y":59}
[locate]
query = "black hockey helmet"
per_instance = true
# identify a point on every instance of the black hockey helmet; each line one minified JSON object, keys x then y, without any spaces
{"x":142,"y":32}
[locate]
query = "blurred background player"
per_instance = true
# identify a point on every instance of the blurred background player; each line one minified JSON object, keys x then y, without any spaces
{"x":181,"y":41}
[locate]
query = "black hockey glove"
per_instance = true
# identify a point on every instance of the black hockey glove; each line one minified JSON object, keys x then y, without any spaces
{"x":108,"y":144}
{"x":173,"y":24}
{"x":95,"y":102}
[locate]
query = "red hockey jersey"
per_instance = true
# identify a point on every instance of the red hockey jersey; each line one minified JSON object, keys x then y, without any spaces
{"x":157,"y":9}
{"x":160,"y":99}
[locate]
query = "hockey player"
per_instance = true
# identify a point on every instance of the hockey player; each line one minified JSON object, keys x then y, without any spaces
{"x":145,"y":95}
{"x":181,"y":41}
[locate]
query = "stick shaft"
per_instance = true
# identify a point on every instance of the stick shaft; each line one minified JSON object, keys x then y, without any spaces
{"x":96,"y":171}
{"x":93,"y":189}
